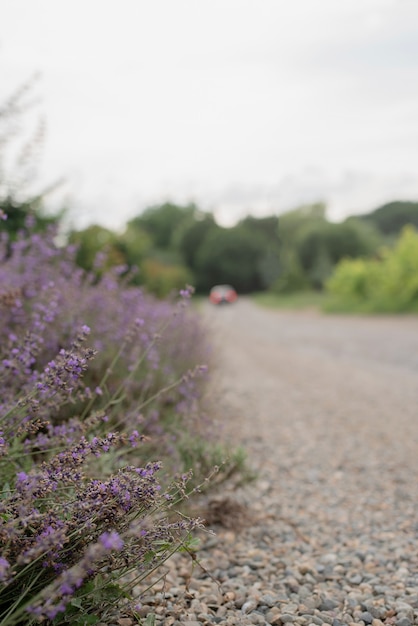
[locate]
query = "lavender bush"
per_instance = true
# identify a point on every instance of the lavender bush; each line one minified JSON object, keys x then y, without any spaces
{"x":83,"y":415}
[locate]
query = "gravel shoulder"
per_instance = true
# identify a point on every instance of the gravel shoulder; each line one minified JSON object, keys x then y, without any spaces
{"x":327,"y":408}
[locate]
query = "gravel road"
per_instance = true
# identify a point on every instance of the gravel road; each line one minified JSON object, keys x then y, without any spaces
{"x":327,"y":409}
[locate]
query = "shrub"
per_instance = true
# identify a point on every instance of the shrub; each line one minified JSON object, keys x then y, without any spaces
{"x":46,"y":298}
{"x":83,"y":415}
{"x":162,"y":279}
{"x":388,"y":283}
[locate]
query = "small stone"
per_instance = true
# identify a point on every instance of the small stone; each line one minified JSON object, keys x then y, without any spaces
{"x":272,"y":613}
{"x":305,"y":568}
{"x":229,"y":596}
{"x":406,"y":609}
{"x":366,"y":617}
{"x":354,"y":579}
{"x":403,"y":621}
{"x":249,"y":606}
{"x":315,"y":619}
{"x":286,"y":617}
{"x":329,"y":558}
{"x":376,"y":611}
{"x":268,"y":600}
{"x":328,"y":604}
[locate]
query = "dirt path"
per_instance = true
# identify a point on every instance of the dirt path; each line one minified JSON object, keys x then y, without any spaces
{"x":343,"y":381}
{"x":327,"y":409}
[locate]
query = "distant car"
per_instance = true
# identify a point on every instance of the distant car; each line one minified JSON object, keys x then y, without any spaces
{"x":223,"y":294}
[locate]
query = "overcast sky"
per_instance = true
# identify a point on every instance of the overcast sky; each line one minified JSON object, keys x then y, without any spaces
{"x":239,"y":105}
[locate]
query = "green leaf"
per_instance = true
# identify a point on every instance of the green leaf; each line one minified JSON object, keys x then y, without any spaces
{"x":86,"y":620}
{"x":6,"y":491}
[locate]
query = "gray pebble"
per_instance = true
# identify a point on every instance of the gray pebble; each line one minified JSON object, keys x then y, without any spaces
{"x":249,"y":606}
{"x":354,"y":579}
{"x":328,"y":604}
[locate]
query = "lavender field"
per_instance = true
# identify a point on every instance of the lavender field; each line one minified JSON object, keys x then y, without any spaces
{"x":103,"y":417}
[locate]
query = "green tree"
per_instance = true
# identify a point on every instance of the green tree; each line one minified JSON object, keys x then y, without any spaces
{"x":160,"y":222}
{"x":162,"y":279}
{"x":135,"y":245}
{"x":191,"y":234}
{"x":264,"y":227}
{"x":292,"y":274}
{"x":229,"y":255}
{"x":390,"y":218}
{"x":321,"y":245}
{"x":264,"y":231}
{"x":311,"y":246}
{"x":91,"y":242}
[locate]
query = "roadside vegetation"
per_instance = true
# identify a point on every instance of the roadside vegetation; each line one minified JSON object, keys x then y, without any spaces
{"x":105,"y":428}
{"x":386,"y":283}
{"x":298,"y":300}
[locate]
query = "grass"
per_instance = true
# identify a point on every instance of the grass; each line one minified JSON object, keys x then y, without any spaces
{"x":299,"y":300}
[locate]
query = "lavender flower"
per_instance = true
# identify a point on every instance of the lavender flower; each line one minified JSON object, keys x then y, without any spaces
{"x":84,"y":361}
{"x":111,"y":541}
{"x":4,"y":570}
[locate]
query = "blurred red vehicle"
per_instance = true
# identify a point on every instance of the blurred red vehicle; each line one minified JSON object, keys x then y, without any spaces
{"x":223,"y":294}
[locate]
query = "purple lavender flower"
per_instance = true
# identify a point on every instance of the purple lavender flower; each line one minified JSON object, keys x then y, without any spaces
{"x":59,"y":515}
{"x":111,"y":541}
{"x":4,"y":570}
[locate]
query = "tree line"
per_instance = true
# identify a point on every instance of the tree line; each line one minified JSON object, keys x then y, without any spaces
{"x":170,"y":245}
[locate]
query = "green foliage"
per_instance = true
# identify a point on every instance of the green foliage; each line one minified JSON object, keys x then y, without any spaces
{"x":94,"y":240}
{"x":150,"y":243}
{"x":217,"y":462}
{"x":162,"y":279}
{"x":161,"y":221}
{"x":229,"y":255}
{"x":171,"y":245}
{"x":292,"y":225}
{"x":135,"y":245}
{"x":292,"y":301}
{"x":385,"y":284}
{"x":185,"y":241}
{"x":264,"y":232}
{"x":18,"y":213}
{"x":323,"y":244}
{"x":312,"y":246}
{"x":190,"y":236}
{"x":390,"y":218}
{"x":264,"y":227}
{"x":292,"y":277}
